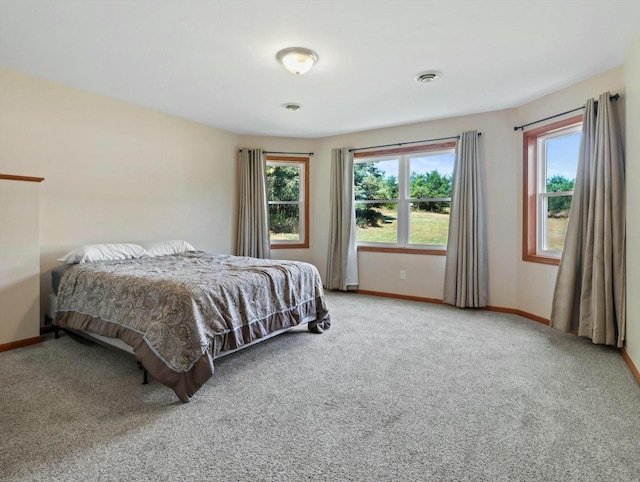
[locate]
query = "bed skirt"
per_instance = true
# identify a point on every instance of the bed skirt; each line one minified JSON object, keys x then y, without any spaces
{"x":186,"y":384}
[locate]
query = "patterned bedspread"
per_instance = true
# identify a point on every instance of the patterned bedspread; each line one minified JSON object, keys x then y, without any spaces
{"x":182,"y":305}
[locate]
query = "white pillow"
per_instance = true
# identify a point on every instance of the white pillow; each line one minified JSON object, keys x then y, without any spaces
{"x":103,"y":252}
{"x":163,"y":248}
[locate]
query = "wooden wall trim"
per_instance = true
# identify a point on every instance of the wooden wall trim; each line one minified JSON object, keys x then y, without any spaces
{"x":524,"y":314}
{"x":529,"y":188}
{"x":287,"y":158}
{"x":398,"y":296}
{"x":498,"y":309}
{"x":632,"y":367}
{"x":20,"y":343}
{"x":11,"y":177}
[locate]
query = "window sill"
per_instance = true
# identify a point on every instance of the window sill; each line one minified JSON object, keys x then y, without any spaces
{"x":290,"y":246}
{"x":375,"y":249}
{"x":537,"y":258}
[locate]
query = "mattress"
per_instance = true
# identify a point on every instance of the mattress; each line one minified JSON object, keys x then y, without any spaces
{"x":179,"y":312}
{"x":56,"y":276}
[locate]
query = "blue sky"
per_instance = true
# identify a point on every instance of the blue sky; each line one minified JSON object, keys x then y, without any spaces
{"x":562,"y":156}
{"x":442,"y":163}
{"x":389,"y":168}
{"x":562,"y":159}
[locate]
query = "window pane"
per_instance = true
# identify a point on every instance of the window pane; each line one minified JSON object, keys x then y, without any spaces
{"x":557,"y":219}
{"x":377,"y":223}
{"x":429,"y":222}
{"x":283,"y":183}
{"x":431,"y":176}
{"x":284,"y":222}
{"x":562,"y":162}
{"x":375,"y":180}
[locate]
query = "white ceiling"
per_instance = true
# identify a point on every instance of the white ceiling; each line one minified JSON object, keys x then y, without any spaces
{"x":213,"y":61}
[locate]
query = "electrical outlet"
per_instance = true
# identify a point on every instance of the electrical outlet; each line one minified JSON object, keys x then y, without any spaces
{"x":403,"y":274}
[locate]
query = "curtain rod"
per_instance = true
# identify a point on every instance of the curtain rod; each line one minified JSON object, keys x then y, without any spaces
{"x":278,"y":152}
{"x":406,"y":143}
{"x":613,"y":97}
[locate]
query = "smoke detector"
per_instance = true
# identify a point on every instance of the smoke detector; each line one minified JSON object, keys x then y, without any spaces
{"x":292,"y":107}
{"x":427,"y":77}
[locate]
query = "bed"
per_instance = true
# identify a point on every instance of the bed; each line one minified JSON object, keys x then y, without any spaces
{"x":179,"y":312}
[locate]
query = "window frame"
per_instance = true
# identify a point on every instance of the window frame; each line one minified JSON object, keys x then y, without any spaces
{"x":534,"y":199}
{"x":303,"y":202}
{"x":402,"y":245}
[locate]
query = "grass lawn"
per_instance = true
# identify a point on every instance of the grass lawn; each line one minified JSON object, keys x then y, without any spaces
{"x":556,"y":229}
{"x":430,"y":228}
{"x":433,"y":228}
{"x":426,"y":228}
{"x":284,"y":236}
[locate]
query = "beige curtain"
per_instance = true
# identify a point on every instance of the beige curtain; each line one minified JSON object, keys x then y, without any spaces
{"x":342,"y":258}
{"x":253,"y":214}
{"x":465,"y":277}
{"x":590,"y":287}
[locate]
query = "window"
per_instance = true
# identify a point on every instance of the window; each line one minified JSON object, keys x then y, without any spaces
{"x":550,"y":166}
{"x":403,"y":198}
{"x":288,"y":191}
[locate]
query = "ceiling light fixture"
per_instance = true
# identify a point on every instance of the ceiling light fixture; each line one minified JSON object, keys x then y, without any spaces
{"x":297,"y":60}
{"x":291,"y":107}
{"x":427,"y":77}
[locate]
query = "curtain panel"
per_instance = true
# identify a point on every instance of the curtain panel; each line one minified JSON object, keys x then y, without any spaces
{"x":342,"y":258}
{"x":466,"y":274}
{"x":589,"y":296}
{"x":253,"y":213}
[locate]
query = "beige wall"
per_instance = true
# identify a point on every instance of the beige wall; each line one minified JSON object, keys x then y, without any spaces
{"x":287,"y":144}
{"x":115,"y":171}
{"x":632,"y":80}
{"x":19,"y":260}
{"x":536,"y":281}
{"x":118,"y":172}
{"x":513,"y":283}
{"x":425,"y":273}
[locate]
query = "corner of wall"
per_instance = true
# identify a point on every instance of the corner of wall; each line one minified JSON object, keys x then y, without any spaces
{"x":632,"y":161}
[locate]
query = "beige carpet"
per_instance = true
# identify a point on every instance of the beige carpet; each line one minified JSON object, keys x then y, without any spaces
{"x":396,"y":390}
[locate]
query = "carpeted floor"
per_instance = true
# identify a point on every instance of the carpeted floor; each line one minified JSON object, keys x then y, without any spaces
{"x":396,"y":390}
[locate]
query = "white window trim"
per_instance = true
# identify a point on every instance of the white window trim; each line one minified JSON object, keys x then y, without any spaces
{"x":542,"y":196}
{"x":302,"y":241}
{"x":403,"y":203}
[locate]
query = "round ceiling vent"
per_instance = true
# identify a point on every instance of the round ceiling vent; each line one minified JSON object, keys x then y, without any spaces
{"x":427,"y":77}
{"x":292,"y":107}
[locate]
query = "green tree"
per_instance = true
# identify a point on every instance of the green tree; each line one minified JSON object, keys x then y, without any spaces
{"x":430,"y":185}
{"x":559,"y":206}
{"x":283,"y":184}
{"x":371,"y":183}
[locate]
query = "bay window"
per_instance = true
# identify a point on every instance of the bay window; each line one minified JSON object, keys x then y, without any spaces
{"x":403,"y":198}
